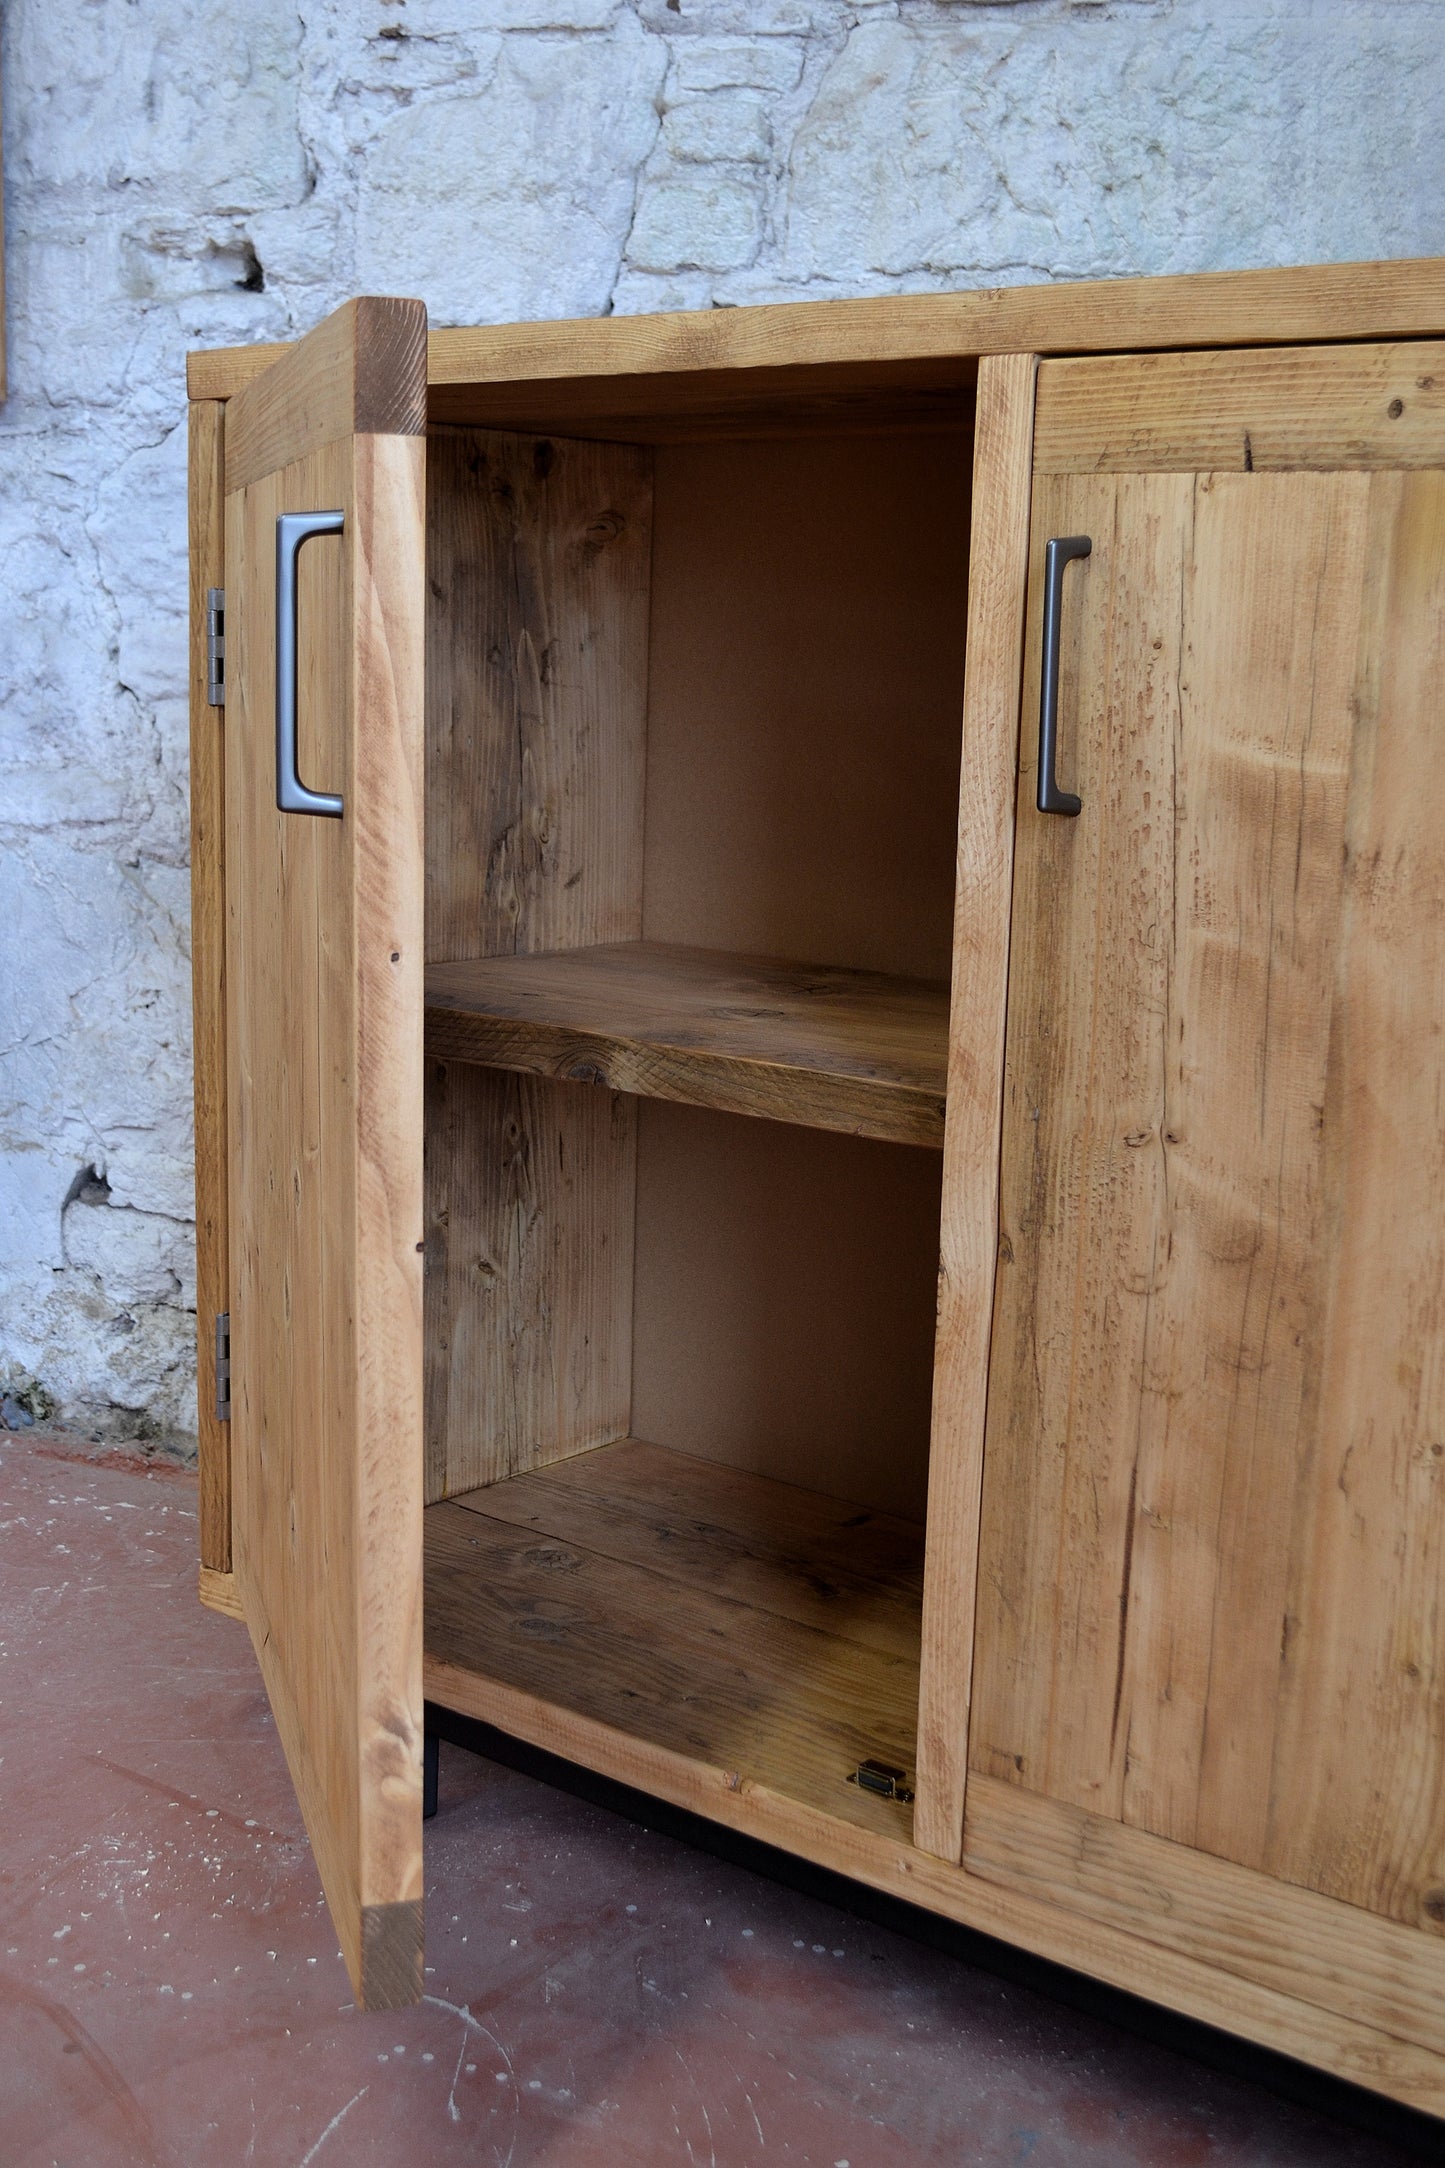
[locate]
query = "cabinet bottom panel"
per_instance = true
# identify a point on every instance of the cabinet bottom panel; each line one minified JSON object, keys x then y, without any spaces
{"x":742,"y":1622}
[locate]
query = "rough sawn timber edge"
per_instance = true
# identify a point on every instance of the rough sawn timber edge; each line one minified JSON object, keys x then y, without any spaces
{"x":1295,"y":305}
{"x":973,"y":1119}
{"x":206,"y":506}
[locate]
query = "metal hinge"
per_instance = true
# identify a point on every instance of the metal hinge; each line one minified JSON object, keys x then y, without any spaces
{"x":882,"y":1779}
{"x":216,"y":646}
{"x":223,"y":1366}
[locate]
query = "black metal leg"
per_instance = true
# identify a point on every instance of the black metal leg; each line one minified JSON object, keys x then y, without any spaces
{"x":430,"y":1759}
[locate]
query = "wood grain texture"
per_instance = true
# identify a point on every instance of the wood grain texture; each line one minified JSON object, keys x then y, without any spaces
{"x":391,"y":1954}
{"x":1282,"y":306}
{"x":1361,"y":2053}
{"x":538,"y":558}
{"x":1214,"y":1517}
{"x":537,"y":615}
{"x":218,"y":1592}
{"x":324,"y":992}
{"x":817,"y":1560}
{"x":530,"y":1193}
{"x":735,"y":1677}
{"x":360,"y":373}
{"x":829,"y":1049}
{"x":968,"y":1238}
{"x":207,"y":563}
{"x":1252,"y":1925}
{"x":1329,"y":410}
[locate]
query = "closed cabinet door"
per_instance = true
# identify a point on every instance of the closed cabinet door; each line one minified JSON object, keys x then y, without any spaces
{"x":1208,"y":1698}
{"x":325,"y":596}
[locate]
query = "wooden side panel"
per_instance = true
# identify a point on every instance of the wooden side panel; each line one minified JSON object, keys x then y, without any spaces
{"x":538,"y":563}
{"x":1214,"y":1518}
{"x":969,"y":1228}
{"x":530,"y":1213}
{"x":538,"y":560}
{"x":324,"y":981}
{"x":207,"y":559}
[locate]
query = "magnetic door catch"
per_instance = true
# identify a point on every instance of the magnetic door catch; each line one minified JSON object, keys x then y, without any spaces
{"x":883,"y":1780}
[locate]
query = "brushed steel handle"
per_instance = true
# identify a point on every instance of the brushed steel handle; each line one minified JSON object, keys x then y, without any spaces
{"x":292,"y":529}
{"x":1059,"y":551}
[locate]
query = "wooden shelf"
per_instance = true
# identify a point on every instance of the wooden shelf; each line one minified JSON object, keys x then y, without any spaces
{"x":738,"y":1622}
{"x":805,"y":1043}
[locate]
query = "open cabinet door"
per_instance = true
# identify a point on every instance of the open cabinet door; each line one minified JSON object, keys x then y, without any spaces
{"x":324,"y":978}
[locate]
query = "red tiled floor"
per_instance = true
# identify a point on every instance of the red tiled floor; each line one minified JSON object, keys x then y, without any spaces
{"x":597,"y":1996}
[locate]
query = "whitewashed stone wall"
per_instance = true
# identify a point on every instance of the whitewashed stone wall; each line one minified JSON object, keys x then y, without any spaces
{"x":184,"y":172}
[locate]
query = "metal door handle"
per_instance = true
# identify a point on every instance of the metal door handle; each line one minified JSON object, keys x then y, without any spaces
{"x":1057,"y":554}
{"x":292,"y":529}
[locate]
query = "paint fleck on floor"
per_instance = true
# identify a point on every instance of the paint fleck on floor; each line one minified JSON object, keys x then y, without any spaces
{"x":597,"y":1996}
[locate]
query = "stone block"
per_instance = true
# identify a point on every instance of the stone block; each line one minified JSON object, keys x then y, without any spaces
{"x":729,"y":126}
{"x":710,"y":221}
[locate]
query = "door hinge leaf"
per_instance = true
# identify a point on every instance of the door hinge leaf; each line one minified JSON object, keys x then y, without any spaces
{"x":216,"y":646}
{"x":223,"y":1366}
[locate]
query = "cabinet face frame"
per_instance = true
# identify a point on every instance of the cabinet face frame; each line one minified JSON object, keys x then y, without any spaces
{"x":517,"y":376}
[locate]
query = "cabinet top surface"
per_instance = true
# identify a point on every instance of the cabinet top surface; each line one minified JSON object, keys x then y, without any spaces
{"x":1297,"y":304}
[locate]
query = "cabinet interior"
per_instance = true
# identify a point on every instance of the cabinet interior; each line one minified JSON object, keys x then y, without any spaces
{"x":693,"y":702}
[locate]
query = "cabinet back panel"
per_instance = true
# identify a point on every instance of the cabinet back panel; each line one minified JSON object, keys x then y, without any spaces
{"x":783,"y":1316}
{"x":804,"y":699}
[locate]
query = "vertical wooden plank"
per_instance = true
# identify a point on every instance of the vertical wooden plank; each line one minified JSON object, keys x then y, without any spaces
{"x":206,"y":509}
{"x":538,"y":564}
{"x":1082,"y":1100}
{"x":530,"y":1214}
{"x":538,"y":580}
{"x":1234,"y":1335}
{"x":387,"y":781}
{"x":1357,"y":1794}
{"x":969,"y":1231}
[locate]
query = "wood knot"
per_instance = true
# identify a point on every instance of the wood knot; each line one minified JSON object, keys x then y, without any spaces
{"x":553,"y":1558}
